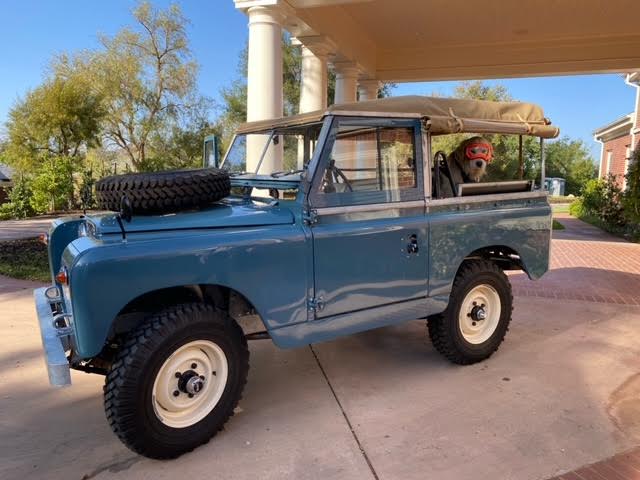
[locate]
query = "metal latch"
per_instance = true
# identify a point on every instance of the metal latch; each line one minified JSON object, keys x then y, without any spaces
{"x":310,"y":216}
{"x":315,"y":304}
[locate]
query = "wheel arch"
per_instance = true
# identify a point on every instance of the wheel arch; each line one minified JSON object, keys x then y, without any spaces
{"x":221,"y":296}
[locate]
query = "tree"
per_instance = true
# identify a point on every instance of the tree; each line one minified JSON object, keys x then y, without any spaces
{"x":60,"y":118}
{"x":147,"y":78}
{"x":571,"y":160}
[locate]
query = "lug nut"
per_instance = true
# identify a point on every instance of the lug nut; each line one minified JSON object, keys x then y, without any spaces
{"x":191,"y":395}
{"x":176,"y":393}
{"x":194,"y":365}
{"x":213,"y":373}
{"x":201,"y":377}
{"x":178,"y":374}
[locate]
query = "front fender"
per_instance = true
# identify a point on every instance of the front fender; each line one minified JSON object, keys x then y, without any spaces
{"x":265,"y":264}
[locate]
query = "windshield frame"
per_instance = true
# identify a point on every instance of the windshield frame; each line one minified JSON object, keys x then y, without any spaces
{"x":303,"y":130}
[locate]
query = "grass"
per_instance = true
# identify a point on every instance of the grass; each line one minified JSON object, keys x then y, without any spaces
{"x":557,"y":225}
{"x":24,"y":259}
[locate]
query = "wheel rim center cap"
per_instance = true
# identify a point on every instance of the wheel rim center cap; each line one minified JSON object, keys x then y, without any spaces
{"x":190,"y":382}
{"x":478,"y":313}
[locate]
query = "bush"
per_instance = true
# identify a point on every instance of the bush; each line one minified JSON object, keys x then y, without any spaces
{"x":602,"y":199}
{"x":631,"y":197}
{"x":576,"y":209}
{"x":53,"y":185}
{"x":19,"y":204}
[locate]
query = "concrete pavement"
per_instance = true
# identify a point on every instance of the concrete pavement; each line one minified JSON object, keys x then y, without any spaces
{"x":27,"y":228}
{"x":562,"y":392}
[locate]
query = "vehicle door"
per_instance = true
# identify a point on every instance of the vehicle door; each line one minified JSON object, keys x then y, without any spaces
{"x":369,"y":228}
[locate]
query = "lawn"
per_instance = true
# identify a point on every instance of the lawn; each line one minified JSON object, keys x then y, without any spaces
{"x":24,"y":259}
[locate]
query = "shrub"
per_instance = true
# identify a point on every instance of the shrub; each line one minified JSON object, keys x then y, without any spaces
{"x":602,"y":199}
{"x":19,"y":204}
{"x":631,"y":197}
{"x":576,"y":209}
{"x":53,"y":185}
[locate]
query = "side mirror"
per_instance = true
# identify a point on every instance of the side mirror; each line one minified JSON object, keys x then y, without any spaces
{"x":211,"y":157}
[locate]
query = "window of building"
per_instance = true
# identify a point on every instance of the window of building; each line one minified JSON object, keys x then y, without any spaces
{"x":609,"y":161}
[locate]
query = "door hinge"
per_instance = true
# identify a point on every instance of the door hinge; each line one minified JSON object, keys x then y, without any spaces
{"x":315,"y":305}
{"x":310,"y":216}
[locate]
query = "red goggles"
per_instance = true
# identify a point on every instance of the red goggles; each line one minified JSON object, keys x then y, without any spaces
{"x":482,"y":150}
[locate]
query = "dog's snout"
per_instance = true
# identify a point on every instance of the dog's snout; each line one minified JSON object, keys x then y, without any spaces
{"x":479,"y":163}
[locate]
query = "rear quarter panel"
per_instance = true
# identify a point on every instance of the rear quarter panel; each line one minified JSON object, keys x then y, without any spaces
{"x":462,"y":225}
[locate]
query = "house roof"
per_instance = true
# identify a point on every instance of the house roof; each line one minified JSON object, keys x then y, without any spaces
{"x":443,"y":115}
{"x":618,"y":128}
{"x":6,"y":173}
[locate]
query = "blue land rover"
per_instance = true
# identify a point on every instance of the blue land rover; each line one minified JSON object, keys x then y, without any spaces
{"x":321,"y":224}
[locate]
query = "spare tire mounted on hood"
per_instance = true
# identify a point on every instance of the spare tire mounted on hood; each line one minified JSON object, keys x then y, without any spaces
{"x":163,"y":192}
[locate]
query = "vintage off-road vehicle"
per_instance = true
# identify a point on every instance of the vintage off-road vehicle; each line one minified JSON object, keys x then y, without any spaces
{"x":350,"y":236}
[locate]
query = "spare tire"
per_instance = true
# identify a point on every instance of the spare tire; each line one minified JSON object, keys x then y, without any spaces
{"x":163,"y":192}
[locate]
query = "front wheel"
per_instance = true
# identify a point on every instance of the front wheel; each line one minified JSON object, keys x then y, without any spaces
{"x":478,"y":315}
{"x":176,"y":380}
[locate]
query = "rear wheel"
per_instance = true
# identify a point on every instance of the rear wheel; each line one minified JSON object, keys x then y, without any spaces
{"x":478,"y":315}
{"x":176,"y":380}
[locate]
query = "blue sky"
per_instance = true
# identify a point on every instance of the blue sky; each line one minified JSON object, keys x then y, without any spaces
{"x":32,"y":31}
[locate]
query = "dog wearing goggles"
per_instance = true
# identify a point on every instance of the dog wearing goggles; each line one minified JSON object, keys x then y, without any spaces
{"x":467,"y":163}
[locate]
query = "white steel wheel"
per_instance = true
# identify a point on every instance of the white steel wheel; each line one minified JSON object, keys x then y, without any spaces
{"x":479,"y":314}
{"x":190,"y":383}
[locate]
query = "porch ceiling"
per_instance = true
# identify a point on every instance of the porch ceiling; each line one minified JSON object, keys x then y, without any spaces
{"x":413,"y":40}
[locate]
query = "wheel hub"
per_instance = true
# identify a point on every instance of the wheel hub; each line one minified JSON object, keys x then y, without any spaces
{"x":190,"y":382}
{"x":478,"y":313}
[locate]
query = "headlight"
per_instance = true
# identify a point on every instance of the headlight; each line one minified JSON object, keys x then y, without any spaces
{"x":83,"y":231}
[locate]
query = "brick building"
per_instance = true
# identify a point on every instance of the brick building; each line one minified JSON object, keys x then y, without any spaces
{"x":619,"y":137}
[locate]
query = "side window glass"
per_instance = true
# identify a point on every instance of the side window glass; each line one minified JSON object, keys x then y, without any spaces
{"x":371,"y":159}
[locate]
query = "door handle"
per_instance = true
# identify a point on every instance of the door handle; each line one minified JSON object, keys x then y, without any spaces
{"x":412,"y":246}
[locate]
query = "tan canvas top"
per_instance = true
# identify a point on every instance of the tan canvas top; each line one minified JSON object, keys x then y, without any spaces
{"x":443,"y":115}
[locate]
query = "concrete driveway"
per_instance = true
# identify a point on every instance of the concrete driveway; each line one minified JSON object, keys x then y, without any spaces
{"x":27,"y":228}
{"x":561,"y":392}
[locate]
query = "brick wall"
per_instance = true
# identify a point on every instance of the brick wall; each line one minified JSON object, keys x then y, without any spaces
{"x":618,"y":148}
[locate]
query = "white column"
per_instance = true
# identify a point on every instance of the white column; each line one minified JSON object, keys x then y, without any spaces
{"x":313,"y":83}
{"x":346,"y":82}
{"x":313,"y":88}
{"x":264,"y":82}
{"x":368,"y":90}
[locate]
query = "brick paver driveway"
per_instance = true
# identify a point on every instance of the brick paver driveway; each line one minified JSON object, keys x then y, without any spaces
{"x":587,"y":264}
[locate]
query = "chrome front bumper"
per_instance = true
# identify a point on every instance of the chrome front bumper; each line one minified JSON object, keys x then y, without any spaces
{"x":55,"y":333}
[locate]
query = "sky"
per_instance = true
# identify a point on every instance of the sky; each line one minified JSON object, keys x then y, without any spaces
{"x":33,"y":31}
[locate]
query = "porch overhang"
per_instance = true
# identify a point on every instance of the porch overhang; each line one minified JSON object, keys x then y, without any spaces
{"x":423,"y":40}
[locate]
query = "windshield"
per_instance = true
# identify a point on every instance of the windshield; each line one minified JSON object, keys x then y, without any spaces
{"x":275,"y":153}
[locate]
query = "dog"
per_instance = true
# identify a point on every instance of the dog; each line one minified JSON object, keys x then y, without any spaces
{"x":467,"y":164}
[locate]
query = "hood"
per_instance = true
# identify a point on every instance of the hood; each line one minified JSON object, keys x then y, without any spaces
{"x":226,"y":214}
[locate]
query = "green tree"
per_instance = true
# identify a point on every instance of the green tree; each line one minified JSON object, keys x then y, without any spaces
{"x":51,"y":186}
{"x":571,"y":160}
{"x":61,"y":117}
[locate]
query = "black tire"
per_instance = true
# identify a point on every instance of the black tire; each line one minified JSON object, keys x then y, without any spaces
{"x":445,"y":330}
{"x":163,"y":192}
{"x":128,"y":400}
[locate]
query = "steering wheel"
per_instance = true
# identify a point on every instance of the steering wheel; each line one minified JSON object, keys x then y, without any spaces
{"x":334,"y":175}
